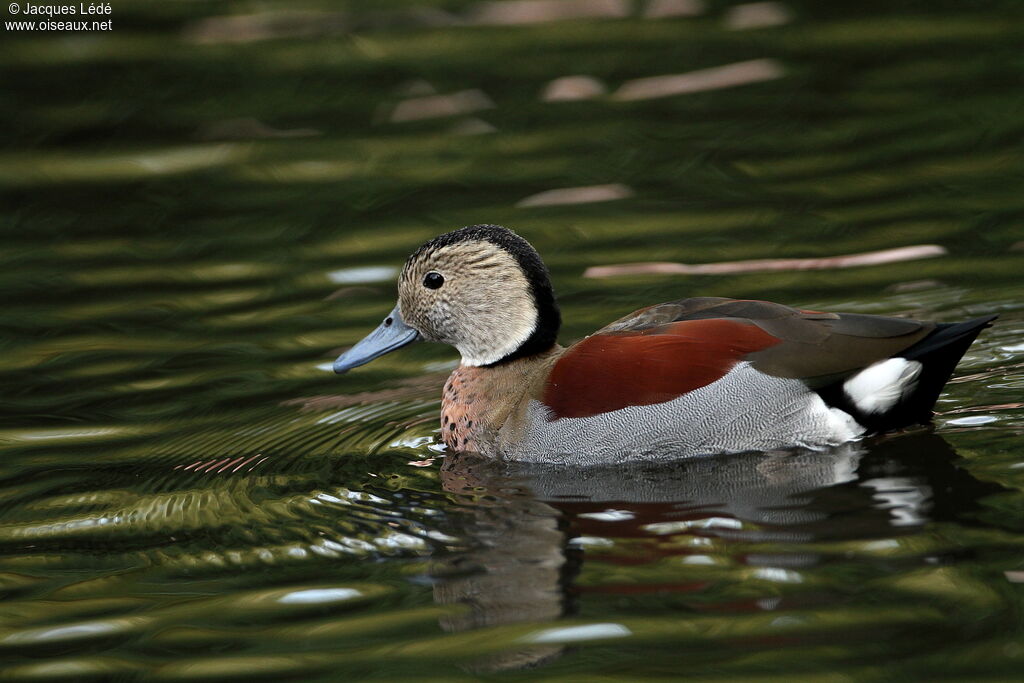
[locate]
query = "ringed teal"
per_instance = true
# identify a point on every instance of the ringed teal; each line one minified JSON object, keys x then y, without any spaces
{"x":688,"y":377}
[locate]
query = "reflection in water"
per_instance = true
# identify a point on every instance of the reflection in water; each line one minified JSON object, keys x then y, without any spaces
{"x":534,"y":525}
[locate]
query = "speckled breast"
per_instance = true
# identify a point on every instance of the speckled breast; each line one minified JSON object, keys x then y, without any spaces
{"x":461,"y":410}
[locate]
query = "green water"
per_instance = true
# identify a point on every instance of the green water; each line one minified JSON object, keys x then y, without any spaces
{"x":188,"y":493}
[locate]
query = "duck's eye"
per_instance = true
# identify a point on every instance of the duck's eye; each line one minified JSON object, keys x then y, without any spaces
{"x":433,"y":280}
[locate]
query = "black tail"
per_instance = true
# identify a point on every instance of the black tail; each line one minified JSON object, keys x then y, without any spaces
{"x":938,"y":354}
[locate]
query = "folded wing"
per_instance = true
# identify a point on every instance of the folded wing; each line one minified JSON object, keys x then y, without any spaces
{"x":662,"y":352}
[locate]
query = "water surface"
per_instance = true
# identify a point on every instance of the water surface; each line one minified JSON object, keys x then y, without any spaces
{"x":200,"y":212}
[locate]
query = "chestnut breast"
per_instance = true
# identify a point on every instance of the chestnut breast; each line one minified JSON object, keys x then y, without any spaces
{"x":478,"y":403}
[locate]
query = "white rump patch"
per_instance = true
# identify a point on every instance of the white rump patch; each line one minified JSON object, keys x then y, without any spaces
{"x":879,"y":387}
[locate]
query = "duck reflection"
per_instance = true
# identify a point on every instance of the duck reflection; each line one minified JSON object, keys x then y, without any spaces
{"x":533,"y":525}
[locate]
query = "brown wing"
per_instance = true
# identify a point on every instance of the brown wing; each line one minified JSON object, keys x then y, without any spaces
{"x":813,"y":346}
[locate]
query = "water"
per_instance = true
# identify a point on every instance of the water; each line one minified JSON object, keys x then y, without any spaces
{"x":198,"y":216}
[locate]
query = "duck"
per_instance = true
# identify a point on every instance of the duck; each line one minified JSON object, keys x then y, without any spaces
{"x":691,"y":377}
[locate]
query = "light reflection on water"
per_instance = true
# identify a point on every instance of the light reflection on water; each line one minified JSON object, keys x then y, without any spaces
{"x":187,"y":492}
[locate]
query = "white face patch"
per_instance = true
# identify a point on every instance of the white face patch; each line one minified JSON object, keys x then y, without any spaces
{"x":515,"y":332}
{"x":879,"y":387}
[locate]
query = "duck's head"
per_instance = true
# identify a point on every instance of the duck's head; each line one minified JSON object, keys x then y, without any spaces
{"x":483,"y":289}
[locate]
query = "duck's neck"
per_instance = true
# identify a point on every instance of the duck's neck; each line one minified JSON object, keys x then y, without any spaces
{"x":478,"y":401}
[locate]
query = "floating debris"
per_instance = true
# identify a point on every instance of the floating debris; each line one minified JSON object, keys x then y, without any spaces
{"x":577,"y":195}
{"x":519,"y":12}
{"x":869,"y":258}
{"x":664,"y":9}
{"x":757,"y":15}
{"x":572,"y":88}
{"x":716,"y":78}
{"x":438,"y":106}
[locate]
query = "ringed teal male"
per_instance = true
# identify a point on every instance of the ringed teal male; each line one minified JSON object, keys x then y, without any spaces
{"x":688,"y":377}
